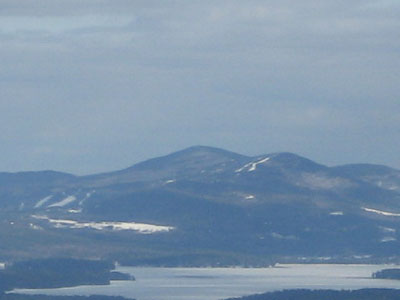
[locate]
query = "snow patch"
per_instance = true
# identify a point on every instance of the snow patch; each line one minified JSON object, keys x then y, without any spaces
{"x":170,"y":181}
{"x":43,"y":201}
{"x":87,"y":196}
{"x":387,"y":229}
{"x":64,"y":202}
{"x":336,"y":213}
{"x":2,"y":265}
{"x":252,"y":166}
{"x":322,"y":181}
{"x":388,"y":239}
{"x":242,"y":168}
{"x":35,"y":227}
{"x":249,"y":197}
{"x":362,"y":256}
{"x":75,"y":211}
{"x":381,"y":212}
{"x":283,"y":237}
{"x":324,"y":258}
{"x":117,"y":226}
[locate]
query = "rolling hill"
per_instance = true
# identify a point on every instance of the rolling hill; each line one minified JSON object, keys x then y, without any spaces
{"x":205,"y":206}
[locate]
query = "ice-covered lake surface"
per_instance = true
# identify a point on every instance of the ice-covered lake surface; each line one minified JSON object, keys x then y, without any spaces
{"x":220,"y":283}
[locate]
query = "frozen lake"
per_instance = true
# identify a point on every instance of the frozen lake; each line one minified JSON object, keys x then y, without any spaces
{"x":220,"y":283}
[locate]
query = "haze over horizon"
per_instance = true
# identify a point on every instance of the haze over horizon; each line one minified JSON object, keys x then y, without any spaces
{"x":95,"y":86}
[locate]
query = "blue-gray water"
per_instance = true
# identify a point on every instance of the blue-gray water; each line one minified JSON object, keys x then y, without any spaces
{"x":219,"y":283}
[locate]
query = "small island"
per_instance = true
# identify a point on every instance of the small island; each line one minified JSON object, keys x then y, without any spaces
{"x":387,"y":274}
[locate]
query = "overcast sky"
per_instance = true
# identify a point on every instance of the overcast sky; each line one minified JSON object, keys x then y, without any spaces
{"x":98,"y":85}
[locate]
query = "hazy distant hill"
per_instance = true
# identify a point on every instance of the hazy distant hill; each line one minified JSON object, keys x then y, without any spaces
{"x":204,"y":205}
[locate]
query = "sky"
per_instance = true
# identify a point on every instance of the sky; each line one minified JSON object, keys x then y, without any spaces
{"x":98,"y":85}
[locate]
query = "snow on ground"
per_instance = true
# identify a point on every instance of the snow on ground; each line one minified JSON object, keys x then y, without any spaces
{"x":75,"y":211}
{"x":87,"y":196}
{"x":41,"y":202}
{"x":283,"y":237}
{"x":387,"y":229}
{"x":249,"y":197}
{"x":35,"y":227}
{"x":324,"y":258}
{"x":2,"y":265}
{"x":322,"y":181}
{"x":336,"y":213}
{"x":388,"y":239}
{"x":252,"y":166}
{"x":362,"y":256}
{"x":170,"y":181}
{"x":381,"y":212}
{"x":139,"y":227}
{"x":389,"y":234}
{"x":64,"y":202}
{"x":242,"y":168}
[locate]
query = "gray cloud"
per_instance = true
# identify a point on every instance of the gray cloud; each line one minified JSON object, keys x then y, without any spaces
{"x":91,"y":85}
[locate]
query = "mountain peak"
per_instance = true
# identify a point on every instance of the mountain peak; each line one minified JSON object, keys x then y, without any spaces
{"x":203,"y":150}
{"x":195,"y":155}
{"x":294,"y":161}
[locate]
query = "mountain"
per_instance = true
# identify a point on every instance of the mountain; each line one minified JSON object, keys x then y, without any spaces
{"x":204,"y":205}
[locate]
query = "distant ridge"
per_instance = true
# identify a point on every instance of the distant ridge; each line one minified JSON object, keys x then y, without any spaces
{"x":212,"y":206}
